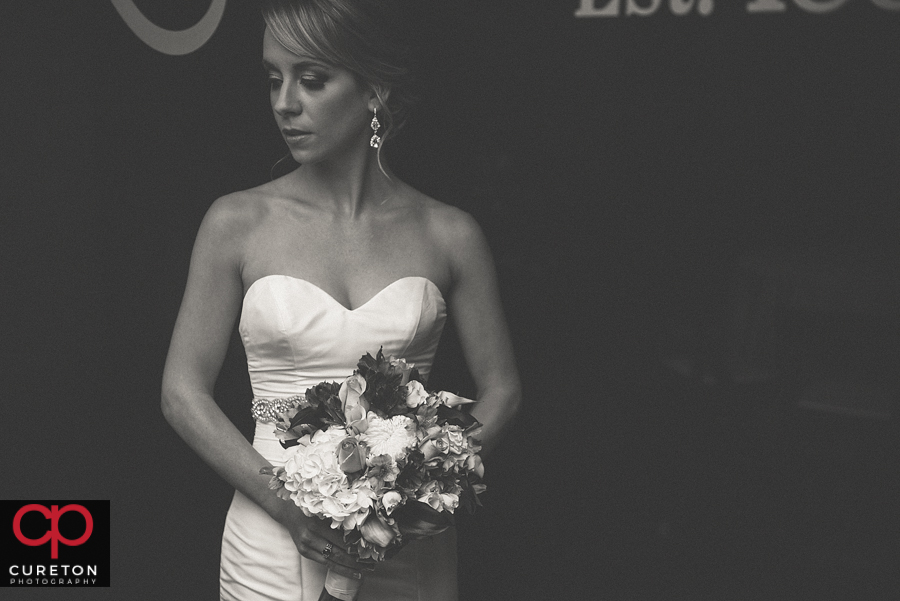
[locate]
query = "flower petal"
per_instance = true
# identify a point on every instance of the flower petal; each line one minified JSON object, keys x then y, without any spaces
{"x":452,"y":400}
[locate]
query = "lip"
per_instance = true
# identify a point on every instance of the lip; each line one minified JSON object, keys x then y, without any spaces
{"x":294,"y":134}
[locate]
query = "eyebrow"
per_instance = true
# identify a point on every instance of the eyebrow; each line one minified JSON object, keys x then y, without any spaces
{"x":303,"y":64}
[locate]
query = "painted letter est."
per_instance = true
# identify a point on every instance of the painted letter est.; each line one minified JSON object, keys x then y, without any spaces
{"x":820,"y":6}
{"x":589,"y":8}
{"x":633,"y":8}
{"x":766,"y":6}
{"x":683,"y":7}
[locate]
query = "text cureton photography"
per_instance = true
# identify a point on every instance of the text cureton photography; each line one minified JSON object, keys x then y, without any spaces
{"x":44,"y":575}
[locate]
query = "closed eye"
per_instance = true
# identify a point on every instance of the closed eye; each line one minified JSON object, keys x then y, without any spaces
{"x":312,"y":82}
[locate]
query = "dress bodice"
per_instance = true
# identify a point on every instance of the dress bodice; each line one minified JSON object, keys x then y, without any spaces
{"x":296,"y":335}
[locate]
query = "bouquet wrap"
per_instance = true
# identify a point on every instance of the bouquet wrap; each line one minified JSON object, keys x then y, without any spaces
{"x":338,"y":586}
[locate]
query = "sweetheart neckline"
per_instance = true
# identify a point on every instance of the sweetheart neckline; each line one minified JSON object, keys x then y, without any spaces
{"x":337,"y":302}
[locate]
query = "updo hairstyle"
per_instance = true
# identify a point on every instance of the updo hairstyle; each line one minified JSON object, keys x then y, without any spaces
{"x":362,"y":36}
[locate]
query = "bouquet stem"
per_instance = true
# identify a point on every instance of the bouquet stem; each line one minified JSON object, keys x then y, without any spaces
{"x":339,"y":587}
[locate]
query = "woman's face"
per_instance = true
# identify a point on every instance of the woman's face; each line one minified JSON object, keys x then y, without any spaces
{"x":322,"y":110}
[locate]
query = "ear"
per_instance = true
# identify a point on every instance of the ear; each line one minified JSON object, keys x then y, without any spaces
{"x":379,"y":97}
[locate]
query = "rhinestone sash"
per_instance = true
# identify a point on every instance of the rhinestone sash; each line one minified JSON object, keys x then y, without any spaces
{"x":268,"y":410}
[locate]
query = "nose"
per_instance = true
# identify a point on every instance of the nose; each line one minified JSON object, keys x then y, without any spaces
{"x":287,"y":100}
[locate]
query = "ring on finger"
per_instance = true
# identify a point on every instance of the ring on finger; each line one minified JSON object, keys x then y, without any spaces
{"x":327,"y":551}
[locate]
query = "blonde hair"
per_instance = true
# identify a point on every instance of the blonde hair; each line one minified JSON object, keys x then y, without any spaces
{"x":361,"y":36}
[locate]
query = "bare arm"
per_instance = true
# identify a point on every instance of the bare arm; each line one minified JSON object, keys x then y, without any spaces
{"x":483,"y":333}
{"x":209,"y":309}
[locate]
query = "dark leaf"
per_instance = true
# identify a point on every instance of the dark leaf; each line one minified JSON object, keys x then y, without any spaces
{"x":333,"y":406}
{"x":455,"y":417}
{"x":304,"y":416}
{"x":398,"y":409}
{"x":351,"y":537}
{"x":366,"y":363}
{"x":322,"y":392}
{"x":420,"y":519}
{"x":468,"y":499}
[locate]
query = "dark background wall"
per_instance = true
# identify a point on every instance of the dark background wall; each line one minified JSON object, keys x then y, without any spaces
{"x":627,"y":171}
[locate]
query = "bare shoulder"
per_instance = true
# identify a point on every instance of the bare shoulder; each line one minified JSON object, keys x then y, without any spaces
{"x":234,"y":216}
{"x":458,"y":236}
{"x":452,"y":228}
{"x":228,"y":228}
{"x":237,"y":210}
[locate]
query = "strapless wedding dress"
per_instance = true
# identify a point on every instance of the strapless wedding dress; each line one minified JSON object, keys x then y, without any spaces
{"x":295,"y":336}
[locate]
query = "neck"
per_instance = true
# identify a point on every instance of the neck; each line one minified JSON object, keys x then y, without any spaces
{"x":350,"y":185}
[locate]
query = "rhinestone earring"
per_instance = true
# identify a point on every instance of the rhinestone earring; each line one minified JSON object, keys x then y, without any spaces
{"x":375,"y":142}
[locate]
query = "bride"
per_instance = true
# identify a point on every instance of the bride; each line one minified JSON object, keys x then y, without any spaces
{"x":335,"y":259}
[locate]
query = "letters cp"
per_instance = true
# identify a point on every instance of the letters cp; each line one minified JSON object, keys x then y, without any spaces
{"x":53,"y":534}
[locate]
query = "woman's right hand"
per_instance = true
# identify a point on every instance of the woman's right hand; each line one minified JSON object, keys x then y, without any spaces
{"x":313,"y":536}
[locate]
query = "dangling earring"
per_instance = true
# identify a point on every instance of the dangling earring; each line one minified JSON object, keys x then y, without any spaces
{"x":375,"y":142}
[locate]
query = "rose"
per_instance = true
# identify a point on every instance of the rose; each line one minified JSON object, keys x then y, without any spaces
{"x":390,"y":500}
{"x":356,"y":418}
{"x":415,"y":394}
{"x":403,"y":367}
{"x":436,"y":444}
{"x":351,"y":455}
{"x":456,"y":439}
{"x":450,"y":501}
{"x":351,"y":393}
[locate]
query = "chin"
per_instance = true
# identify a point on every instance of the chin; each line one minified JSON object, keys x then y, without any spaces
{"x":304,"y":156}
{"x":318,"y":153}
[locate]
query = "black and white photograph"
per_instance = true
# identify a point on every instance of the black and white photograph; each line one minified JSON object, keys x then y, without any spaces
{"x":469,"y":300}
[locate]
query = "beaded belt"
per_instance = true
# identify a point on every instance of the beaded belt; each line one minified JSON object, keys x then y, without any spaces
{"x":268,"y":410}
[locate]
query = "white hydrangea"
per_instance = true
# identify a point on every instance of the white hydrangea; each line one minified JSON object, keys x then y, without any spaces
{"x":318,"y":485}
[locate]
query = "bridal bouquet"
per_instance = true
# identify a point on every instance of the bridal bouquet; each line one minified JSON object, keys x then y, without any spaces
{"x":381,"y":458}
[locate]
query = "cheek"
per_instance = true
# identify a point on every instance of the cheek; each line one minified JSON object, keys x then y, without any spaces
{"x":343,"y":112}
{"x":345,"y":109}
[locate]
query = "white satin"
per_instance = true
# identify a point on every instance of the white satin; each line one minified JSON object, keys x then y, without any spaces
{"x":295,"y":336}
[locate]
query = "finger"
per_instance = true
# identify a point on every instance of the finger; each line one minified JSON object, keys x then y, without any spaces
{"x":331,"y":535}
{"x":350,"y":560}
{"x":344,"y":570}
{"x":342,"y":562}
{"x":339,"y":552}
{"x":318,"y":556}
